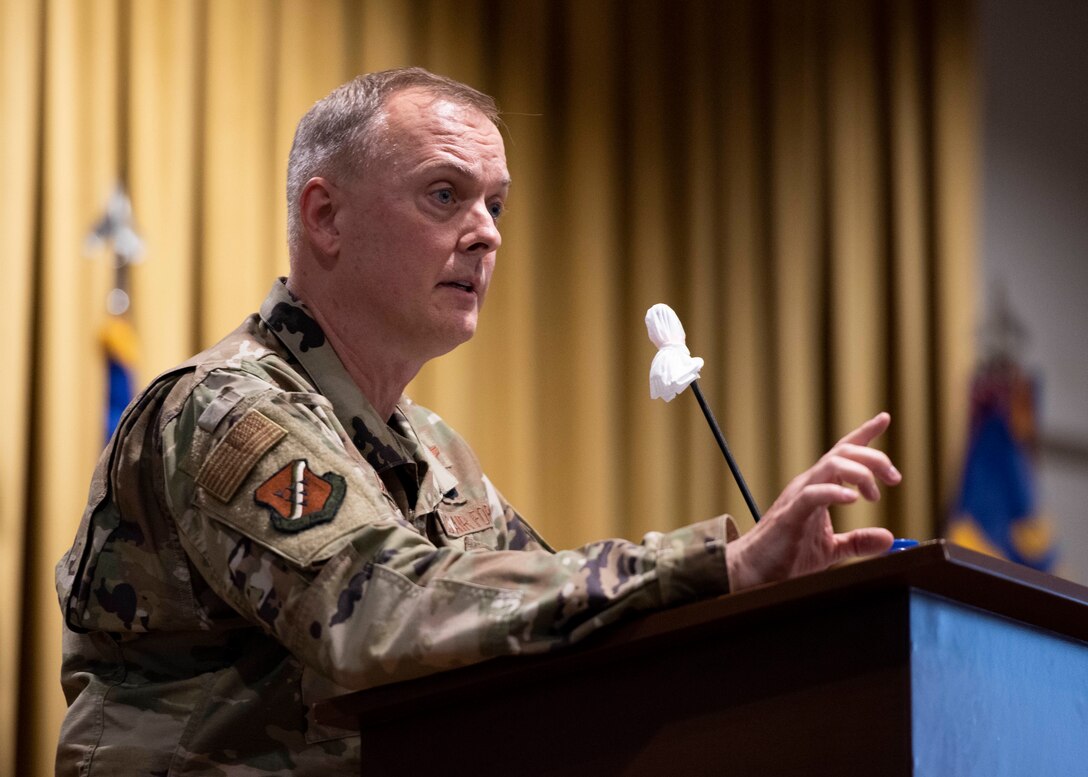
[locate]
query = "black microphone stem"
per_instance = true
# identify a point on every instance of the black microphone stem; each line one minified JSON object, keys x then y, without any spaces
{"x":752,"y":508}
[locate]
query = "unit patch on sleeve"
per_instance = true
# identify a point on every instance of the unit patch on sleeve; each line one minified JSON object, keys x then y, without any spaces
{"x":298,"y":498}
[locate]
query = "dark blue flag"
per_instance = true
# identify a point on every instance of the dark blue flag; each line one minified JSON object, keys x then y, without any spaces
{"x":998,"y":507}
{"x":120,"y":347}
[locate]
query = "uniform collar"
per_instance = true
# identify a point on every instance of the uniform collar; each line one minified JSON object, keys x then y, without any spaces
{"x":384,"y":445}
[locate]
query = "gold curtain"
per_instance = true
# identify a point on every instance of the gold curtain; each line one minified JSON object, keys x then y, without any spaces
{"x":796,"y":178}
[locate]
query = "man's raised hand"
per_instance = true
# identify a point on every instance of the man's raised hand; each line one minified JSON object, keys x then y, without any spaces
{"x":795,"y":536}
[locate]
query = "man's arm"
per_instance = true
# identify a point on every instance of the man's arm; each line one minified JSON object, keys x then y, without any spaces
{"x":358,"y":592}
{"x":363,"y":596}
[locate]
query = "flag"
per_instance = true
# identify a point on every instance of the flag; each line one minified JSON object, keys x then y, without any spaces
{"x":120,"y":346}
{"x":998,"y":510}
{"x":120,"y":349}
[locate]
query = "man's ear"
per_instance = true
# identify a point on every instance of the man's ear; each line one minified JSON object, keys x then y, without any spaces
{"x":317,"y":211}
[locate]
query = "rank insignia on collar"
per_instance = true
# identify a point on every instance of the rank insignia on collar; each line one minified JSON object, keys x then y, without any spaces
{"x":298,"y":498}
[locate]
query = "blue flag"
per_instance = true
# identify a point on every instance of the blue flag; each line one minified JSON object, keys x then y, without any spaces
{"x":998,"y":509}
{"x":120,"y":348}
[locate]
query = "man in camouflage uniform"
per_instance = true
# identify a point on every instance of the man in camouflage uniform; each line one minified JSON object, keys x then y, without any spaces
{"x":274,"y":517}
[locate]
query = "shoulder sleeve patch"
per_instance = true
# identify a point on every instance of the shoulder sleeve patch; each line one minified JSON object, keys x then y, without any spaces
{"x":233,"y":458}
{"x":298,"y":498}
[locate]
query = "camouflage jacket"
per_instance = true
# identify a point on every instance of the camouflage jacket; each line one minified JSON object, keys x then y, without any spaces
{"x":255,"y":534}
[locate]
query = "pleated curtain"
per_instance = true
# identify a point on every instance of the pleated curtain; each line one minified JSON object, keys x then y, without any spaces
{"x":797,"y":179}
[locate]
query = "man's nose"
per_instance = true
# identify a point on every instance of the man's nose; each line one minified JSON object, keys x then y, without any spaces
{"x":481,"y":235}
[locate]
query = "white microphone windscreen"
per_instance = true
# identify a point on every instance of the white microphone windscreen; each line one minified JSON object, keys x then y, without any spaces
{"x":673,"y":368}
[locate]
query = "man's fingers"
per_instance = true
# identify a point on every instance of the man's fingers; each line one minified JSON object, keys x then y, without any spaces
{"x":872,"y":459}
{"x":842,"y":471}
{"x":846,"y":472}
{"x":869,"y":430}
{"x":862,"y":542}
{"x":817,"y":495}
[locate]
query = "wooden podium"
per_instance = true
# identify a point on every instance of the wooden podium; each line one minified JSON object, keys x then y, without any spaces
{"x":935,"y":661}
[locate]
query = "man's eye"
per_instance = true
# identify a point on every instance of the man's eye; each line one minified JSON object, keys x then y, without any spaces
{"x":496,"y":210}
{"x":444,"y":196}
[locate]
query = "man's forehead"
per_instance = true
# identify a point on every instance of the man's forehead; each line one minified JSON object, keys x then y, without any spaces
{"x":417,"y":107}
{"x":417,"y":120}
{"x":419,"y":99}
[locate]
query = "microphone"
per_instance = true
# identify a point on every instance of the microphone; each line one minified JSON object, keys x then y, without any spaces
{"x":674,"y":369}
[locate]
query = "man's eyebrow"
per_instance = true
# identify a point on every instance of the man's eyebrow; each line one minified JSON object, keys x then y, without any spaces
{"x":461,"y":169}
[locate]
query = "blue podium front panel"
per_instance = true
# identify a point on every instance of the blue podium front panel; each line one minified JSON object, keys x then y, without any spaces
{"x":994,"y":697}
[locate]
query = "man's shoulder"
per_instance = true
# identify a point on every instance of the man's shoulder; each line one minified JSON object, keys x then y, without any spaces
{"x":202,"y":398}
{"x":250,"y":350}
{"x":246,"y":360}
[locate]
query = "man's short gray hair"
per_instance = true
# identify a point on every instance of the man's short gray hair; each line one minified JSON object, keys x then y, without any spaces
{"x":340,"y":132}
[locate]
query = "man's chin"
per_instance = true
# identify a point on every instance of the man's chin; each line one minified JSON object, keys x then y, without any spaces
{"x":455,"y":334}
{"x":466,"y":332}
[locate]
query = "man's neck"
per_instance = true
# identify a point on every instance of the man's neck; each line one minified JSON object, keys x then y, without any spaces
{"x":377,"y":369}
{"x":378,"y":373}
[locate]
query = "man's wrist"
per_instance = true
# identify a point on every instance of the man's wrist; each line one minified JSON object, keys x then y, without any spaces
{"x":740,"y":572}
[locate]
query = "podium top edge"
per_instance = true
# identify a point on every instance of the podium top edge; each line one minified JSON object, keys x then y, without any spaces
{"x":937,"y":567}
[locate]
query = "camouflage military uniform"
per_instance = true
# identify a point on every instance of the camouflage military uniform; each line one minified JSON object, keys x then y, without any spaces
{"x":255,"y":533}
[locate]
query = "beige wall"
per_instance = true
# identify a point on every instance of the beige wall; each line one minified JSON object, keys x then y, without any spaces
{"x":1034,"y":227}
